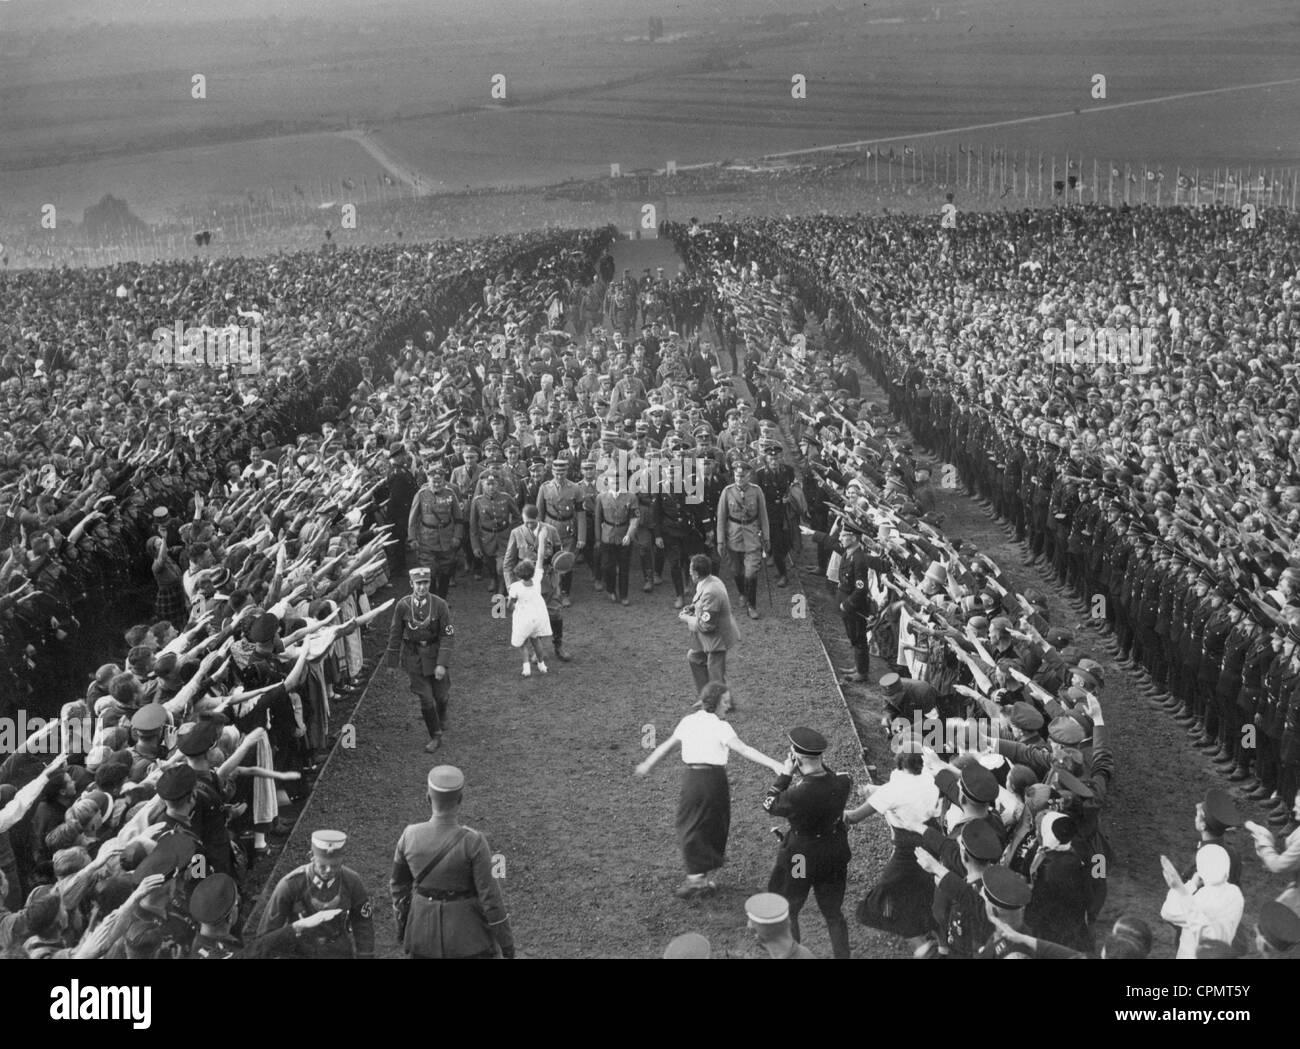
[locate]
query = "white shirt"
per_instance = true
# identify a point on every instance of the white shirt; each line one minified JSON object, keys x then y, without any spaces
{"x":906,"y":798}
{"x":704,"y":738}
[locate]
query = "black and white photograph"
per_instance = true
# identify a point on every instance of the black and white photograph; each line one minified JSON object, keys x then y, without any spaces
{"x":556,"y":480}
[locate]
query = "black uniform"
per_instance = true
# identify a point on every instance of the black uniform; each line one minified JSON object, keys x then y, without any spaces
{"x":814,"y":855}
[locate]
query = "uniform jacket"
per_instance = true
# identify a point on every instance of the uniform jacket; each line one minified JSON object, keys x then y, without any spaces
{"x":420,"y":646}
{"x":742,"y":519}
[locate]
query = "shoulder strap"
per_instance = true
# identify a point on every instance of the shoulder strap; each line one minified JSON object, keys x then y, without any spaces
{"x":441,"y":855}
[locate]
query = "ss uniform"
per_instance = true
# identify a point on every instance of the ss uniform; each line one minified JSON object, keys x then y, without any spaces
{"x":775,"y":482}
{"x":436,"y":531}
{"x":743,"y":533}
{"x":814,"y":853}
{"x":676,"y":536}
{"x":311,"y":888}
{"x":420,"y":639}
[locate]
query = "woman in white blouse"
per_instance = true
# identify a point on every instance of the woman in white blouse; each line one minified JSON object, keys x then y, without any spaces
{"x":704,"y":808}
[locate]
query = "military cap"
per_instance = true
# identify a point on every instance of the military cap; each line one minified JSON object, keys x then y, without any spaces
{"x":688,"y":945}
{"x":1004,"y":888}
{"x":496,"y":417}
{"x":891,"y":684}
{"x":1279,"y":925}
{"x":560,"y":464}
{"x":172,"y":853}
{"x":767,"y":908}
{"x":328,"y":843}
{"x":948,"y":783}
{"x":445,"y":779}
{"x":263,"y":628}
{"x":1067,"y":780}
{"x":1026,"y":717}
{"x":979,"y":784}
{"x":213,"y":898}
{"x":808,"y":741}
{"x":197,"y":738}
{"x":609,"y":435}
{"x":1066,"y":731}
{"x":743,"y":466}
{"x":420,"y":575}
{"x":773,"y":448}
{"x":177,"y":782}
{"x":537,"y":460}
{"x":160,"y":512}
{"x":980,"y":839}
{"x":1219,"y":808}
{"x":1058,"y":637}
{"x":149,"y":718}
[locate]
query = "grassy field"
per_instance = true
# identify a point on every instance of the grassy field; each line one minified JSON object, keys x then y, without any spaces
{"x":93,"y":109}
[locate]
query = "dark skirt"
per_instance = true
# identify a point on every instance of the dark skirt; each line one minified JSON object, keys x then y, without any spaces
{"x":704,"y":818}
{"x":901,"y":901}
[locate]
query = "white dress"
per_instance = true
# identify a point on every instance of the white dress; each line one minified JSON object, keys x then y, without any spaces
{"x":530,"y":617}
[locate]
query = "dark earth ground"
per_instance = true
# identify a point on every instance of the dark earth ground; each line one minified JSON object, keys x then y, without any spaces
{"x":588,"y":851}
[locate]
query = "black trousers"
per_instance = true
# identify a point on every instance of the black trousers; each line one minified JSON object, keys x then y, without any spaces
{"x":616,"y":559}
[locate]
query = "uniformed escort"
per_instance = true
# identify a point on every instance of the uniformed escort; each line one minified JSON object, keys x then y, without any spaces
{"x":616,"y":525}
{"x":446,"y":901}
{"x":420,"y":641}
{"x":743,"y":534}
{"x":560,"y":505}
{"x":215,"y":906}
{"x":774,"y":480}
{"x":814,"y":853}
{"x":321,"y":885}
{"x":491,"y":517}
{"x":436,"y":526}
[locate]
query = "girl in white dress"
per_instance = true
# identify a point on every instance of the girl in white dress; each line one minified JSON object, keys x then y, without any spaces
{"x":530,"y":621}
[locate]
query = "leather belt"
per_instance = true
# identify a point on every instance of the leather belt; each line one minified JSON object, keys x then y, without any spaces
{"x":706,"y":765}
{"x":447,"y":895}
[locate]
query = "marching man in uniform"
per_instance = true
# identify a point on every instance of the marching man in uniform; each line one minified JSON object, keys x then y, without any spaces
{"x":814,"y":854}
{"x":419,"y":641}
{"x":446,"y":902}
{"x":560,"y":505}
{"x":743,"y":533}
{"x":435,"y":527}
{"x":491,"y":516}
{"x":321,"y":885}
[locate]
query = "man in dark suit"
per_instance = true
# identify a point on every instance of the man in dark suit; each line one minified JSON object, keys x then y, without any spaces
{"x":713,"y":628}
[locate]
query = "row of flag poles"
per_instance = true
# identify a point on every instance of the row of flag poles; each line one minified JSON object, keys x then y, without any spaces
{"x":1001,"y":173}
{"x":992,"y":173}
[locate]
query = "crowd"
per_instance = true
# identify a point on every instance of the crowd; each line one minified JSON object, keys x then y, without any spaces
{"x":267,"y":510}
{"x":562,"y":412}
{"x":97,"y":432}
{"x":1160,"y":488}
